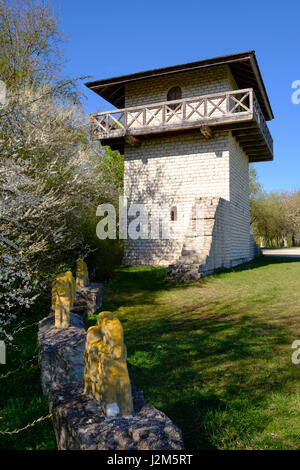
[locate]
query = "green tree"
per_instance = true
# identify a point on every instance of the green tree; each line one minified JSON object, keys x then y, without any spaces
{"x":30,"y":42}
{"x":254,"y":185}
{"x":255,"y":190}
{"x":112,"y":165}
{"x":270,"y":220}
{"x":52,"y":176}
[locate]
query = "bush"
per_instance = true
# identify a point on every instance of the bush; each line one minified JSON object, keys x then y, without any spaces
{"x":104,"y":256}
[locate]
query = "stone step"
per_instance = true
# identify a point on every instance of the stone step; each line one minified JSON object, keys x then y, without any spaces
{"x":188,"y":252}
{"x":193,"y":256}
{"x":184,"y":267}
{"x":185,"y":273}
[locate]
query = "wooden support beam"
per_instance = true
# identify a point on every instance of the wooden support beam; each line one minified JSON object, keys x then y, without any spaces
{"x":256,"y":153}
{"x":246,"y":132}
{"x":254,"y":144}
{"x":133,"y":141}
{"x":207,"y":132}
{"x":239,"y":126}
{"x":250,"y":138}
{"x":260,"y":159}
{"x":117,"y":90}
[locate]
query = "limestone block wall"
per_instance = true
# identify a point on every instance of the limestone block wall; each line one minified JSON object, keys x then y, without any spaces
{"x":192,"y":83}
{"x":175,"y":171}
{"x":239,"y":203}
{"x":172,"y":172}
{"x":208,"y":248}
{"x":216,"y":235}
{"x":255,"y":250}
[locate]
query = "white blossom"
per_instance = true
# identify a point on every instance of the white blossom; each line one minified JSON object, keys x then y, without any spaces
{"x":49,"y":178}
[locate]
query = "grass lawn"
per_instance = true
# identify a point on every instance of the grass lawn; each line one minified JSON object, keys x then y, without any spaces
{"x":21,"y":399}
{"x":215,"y":356}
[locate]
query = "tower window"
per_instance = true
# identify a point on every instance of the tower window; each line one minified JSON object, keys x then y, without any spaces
{"x":173,"y":214}
{"x":174,"y":94}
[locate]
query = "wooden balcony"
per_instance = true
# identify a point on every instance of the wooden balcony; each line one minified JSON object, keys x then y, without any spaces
{"x":237,"y":110}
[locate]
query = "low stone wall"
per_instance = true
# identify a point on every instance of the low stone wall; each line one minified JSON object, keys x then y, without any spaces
{"x":61,"y":352}
{"x":255,"y":250}
{"x":209,"y":250}
{"x":78,"y":420}
{"x":88,"y":300}
{"x":79,"y":423}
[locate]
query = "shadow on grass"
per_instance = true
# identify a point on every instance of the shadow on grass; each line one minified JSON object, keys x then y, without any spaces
{"x":187,"y":372}
{"x":262,"y":261}
{"x":21,"y":398}
{"x":203,"y":359}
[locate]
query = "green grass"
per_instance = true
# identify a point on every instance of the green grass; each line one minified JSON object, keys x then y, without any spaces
{"x":21,"y":399}
{"x":215,"y":356}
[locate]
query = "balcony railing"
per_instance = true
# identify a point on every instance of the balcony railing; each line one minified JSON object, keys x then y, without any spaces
{"x":259,"y":117}
{"x":209,"y":110}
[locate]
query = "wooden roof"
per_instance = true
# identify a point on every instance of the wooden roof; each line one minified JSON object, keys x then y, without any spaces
{"x":243,"y":65}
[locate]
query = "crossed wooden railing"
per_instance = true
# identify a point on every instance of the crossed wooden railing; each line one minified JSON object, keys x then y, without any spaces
{"x":217,"y":108}
{"x":259,"y":117}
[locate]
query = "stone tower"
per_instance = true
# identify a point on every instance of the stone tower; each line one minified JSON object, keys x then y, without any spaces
{"x":188,"y":133}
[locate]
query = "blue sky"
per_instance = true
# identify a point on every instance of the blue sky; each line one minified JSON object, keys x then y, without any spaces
{"x":109,"y":38}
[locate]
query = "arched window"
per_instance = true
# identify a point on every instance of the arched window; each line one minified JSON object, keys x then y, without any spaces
{"x":173,"y":214}
{"x":174,"y":94}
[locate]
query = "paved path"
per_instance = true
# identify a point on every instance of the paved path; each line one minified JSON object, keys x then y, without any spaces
{"x":286,"y":252}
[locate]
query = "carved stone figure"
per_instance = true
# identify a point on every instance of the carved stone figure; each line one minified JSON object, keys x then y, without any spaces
{"x":63,"y":296}
{"x":82,"y":275}
{"x":105,"y":366}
